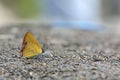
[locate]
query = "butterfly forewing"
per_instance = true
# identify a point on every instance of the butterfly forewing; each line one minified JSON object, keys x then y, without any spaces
{"x":31,"y":46}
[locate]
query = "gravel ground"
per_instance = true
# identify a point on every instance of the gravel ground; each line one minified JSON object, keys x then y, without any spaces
{"x":68,"y":54}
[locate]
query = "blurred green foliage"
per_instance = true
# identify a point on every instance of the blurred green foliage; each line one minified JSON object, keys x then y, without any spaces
{"x":23,"y":8}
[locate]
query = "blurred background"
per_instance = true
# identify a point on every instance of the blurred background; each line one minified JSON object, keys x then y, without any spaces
{"x":92,"y":15}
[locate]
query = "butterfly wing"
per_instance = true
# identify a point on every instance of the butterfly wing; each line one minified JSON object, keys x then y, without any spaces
{"x":30,"y":46}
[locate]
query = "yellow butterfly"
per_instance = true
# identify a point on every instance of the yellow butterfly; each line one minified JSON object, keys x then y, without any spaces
{"x":30,"y":46}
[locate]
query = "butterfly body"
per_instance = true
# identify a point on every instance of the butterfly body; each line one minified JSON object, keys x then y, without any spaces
{"x":30,"y":46}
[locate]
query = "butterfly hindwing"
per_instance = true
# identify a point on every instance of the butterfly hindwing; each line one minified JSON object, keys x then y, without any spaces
{"x":31,"y":46}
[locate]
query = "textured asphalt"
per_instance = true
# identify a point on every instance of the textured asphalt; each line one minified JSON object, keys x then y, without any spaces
{"x":68,"y":54}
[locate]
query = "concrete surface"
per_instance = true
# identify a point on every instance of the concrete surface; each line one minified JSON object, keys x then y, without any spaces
{"x":68,"y":54}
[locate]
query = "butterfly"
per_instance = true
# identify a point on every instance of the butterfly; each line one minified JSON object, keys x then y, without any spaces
{"x":30,"y":46}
